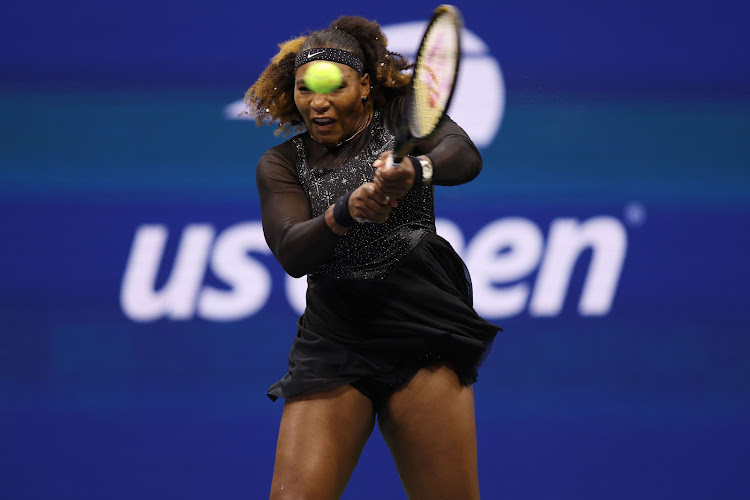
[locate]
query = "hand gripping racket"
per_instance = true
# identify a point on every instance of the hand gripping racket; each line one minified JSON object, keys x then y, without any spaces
{"x":433,"y":81}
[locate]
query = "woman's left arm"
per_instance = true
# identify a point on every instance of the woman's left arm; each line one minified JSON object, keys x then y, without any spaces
{"x":454,"y":160}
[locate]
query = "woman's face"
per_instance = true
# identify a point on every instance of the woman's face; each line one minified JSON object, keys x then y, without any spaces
{"x":334,"y":117}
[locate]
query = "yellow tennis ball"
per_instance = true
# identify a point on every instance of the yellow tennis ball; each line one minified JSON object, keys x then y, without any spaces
{"x":323,"y":77}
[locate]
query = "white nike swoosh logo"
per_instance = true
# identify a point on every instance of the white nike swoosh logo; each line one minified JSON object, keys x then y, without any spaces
{"x":313,"y":55}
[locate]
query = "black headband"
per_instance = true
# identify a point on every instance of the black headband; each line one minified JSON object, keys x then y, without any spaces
{"x":333,"y":55}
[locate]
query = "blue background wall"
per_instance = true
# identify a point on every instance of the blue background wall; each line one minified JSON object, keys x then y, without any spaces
{"x":112,"y":119}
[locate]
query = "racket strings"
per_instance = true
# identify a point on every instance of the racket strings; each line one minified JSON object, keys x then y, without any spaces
{"x":434,"y":75}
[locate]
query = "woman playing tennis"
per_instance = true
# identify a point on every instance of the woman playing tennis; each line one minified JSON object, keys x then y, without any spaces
{"x":389,"y":333}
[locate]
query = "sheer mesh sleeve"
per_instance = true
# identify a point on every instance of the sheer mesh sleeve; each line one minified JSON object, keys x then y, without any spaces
{"x":455,"y":158}
{"x":299,"y":242}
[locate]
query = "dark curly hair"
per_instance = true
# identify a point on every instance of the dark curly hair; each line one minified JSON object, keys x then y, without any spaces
{"x":271,"y":98}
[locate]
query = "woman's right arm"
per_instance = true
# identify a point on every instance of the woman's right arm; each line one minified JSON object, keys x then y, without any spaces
{"x":299,"y":241}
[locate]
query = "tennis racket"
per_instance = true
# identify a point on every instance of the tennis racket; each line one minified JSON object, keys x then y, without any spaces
{"x":433,"y":81}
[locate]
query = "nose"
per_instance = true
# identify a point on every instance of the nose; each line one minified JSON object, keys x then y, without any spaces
{"x":319,"y":103}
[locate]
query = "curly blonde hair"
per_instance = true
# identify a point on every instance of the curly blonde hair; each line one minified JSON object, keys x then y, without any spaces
{"x":271,"y":97}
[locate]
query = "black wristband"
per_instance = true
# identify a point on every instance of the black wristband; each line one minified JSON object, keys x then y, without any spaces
{"x":341,"y":211}
{"x":417,"y":171}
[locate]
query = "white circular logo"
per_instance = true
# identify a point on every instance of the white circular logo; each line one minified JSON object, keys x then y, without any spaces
{"x":479,"y":100}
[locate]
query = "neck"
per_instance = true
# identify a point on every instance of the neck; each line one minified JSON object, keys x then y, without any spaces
{"x":364,"y":122}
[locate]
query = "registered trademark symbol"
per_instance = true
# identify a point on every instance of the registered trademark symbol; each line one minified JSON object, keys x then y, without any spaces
{"x":635,"y":214}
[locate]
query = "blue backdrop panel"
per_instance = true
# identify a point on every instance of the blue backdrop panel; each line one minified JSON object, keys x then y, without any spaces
{"x":640,"y":45}
{"x":623,"y":136}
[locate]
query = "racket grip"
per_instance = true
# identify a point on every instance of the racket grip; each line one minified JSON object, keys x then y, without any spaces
{"x":393,"y":161}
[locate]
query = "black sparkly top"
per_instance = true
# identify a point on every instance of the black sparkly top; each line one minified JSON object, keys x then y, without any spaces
{"x":300,"y":178}
{"x":366,"y":251}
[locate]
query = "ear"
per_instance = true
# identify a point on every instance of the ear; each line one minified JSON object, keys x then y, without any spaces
{"x":364,"y":84}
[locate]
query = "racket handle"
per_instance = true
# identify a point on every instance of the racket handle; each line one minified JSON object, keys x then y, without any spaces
{"x":390,"y":163}
{"x":393,"y":161}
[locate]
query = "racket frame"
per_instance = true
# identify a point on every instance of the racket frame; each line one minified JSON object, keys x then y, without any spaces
{"x":405,"y":140}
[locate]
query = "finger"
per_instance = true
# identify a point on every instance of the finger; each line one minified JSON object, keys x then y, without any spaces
{"x":379,"y":218}
{"x":395,"y":175}
{"x":375,"y":211}
{"x":392,"y":190}
{"x":388,"y":183}
{"x":380,"y":162}
{"x":366,"y":201}
{"x":358,"y":202}
{"x":377,"y":194}
{"x":368,"y":190}
{"x":383,"y":186}
{"x":390,"y":177}
{"x":373,"y":207}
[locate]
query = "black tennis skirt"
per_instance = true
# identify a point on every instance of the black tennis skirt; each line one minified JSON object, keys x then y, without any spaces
{"x":386,"y":330}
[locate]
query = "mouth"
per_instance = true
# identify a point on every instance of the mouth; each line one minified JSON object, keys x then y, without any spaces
{"x":323,"y":122}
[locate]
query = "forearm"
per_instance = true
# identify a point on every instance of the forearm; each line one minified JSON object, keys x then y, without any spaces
{"x":306,"y":245}
{"x":455,"y":160}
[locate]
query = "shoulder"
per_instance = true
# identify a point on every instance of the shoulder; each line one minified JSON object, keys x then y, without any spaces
{"x":279,"y":162}
{"x":393,"y":111}
{"x":285,"y":152}
{"x":283,"y":155}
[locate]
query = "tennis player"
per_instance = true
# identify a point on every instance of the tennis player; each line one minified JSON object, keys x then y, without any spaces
{"x":389,"y":331}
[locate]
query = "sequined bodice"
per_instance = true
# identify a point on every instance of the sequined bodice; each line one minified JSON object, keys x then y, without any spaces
{"x":366,"y":251}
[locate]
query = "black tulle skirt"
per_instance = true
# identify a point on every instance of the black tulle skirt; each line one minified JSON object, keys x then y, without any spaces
{"x":386,"y":330}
